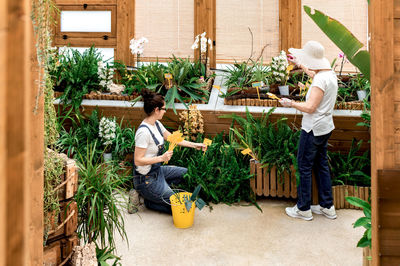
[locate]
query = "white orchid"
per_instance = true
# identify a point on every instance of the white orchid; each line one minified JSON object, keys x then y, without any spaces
{"x":204,"y":41}
{"x":279,"y":66}
{"x":107,"y":128}
{"x":137,"y":46}
{"x":105,"y":75}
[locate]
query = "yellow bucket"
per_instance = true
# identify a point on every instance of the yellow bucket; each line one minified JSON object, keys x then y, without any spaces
{"x":181,"y":217}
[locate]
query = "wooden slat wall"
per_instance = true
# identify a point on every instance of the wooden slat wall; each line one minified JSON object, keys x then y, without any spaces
{"x":340,"y":140}
{"x":205,"y":21}
{"x":385,"y":146}
{"x":290,"y":24}
{"x":3,"y":131}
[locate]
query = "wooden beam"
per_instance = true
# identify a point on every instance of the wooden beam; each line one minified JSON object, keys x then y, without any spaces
{"x":205,"y":21}
{"x":381,"y":25}
{"x":18,"y":112}
{"x":3,"y":130}
{"x":35,"y":178}
{"x":290,"y":24}
{"x":125,"y":30}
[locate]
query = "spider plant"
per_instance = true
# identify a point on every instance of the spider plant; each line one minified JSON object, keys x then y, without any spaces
{"x":99,"y":198}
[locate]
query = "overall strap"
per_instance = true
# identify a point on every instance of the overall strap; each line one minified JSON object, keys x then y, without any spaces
{"x":159,"y":129}
{"x":152,"y":135}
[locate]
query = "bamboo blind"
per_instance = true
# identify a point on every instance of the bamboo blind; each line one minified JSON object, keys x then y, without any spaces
{"x":233,"y":40}
{"x":353,"y":14}
{"x":168,"y":25}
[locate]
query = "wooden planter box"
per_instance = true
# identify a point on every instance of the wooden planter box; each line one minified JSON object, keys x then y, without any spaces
{"x":69,"y":180}
{"x":342,"y":191}
{"x":60,"y":251}
{"x":67,"y":221}
{"x":269,"y":184}
{"x":102,"y":96}
{"x":358,"y":105}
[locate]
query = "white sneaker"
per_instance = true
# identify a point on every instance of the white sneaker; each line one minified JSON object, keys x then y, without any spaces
{"x":296,"y":213}
{"x":328,"y":213}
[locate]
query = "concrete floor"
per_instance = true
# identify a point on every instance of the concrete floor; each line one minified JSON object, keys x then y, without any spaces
{"x":242,"y":235}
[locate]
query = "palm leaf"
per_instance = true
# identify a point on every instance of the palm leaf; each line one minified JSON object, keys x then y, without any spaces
{"x":343,"y":39}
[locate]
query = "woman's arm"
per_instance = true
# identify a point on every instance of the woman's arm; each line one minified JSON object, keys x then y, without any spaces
{"x":185,"y":143}
{"x":140,"y":160}
{"x":315,"y":98}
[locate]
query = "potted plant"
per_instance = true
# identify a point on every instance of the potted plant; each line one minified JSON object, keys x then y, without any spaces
{"x":280,"y":71}
{"x":183,"y":209}
{"x":360,"y":85}
{"x":107,"y":129}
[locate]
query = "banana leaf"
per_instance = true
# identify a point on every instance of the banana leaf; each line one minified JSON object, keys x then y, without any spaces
{"x":343,"y":39}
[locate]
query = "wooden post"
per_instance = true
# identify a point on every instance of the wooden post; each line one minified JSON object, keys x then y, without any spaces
{"x":385,"y":104}
{"x":290,"y":24}
{"x":3,"y":130}
{"x":205,"y":21}
{"x":125,"y":30}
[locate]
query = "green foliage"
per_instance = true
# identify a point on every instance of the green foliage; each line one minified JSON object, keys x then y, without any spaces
{"x":273,"y":144}
{"x":75,"y":74}
{"x":351,"y":168}
{"x":365,"y":221}
{"x":343,"y":39}
{"x":105,"y":254}
{"x":366,"y":114}
{"x":242,"y":75}
{"x":124,"y":142}
{"x":186,"y":85}
{"x":222,"y":172}
{"x":99,"y":198}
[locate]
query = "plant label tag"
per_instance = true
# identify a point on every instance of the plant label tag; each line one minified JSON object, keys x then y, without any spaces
{"x":257,"y":84}
{"x":217,"y":87}
{"x":201,"y":78}
{"x":168,"y":76}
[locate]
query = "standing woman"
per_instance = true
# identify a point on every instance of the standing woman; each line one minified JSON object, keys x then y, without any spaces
{"x":151,"y":179}
{"x":316,"y":128}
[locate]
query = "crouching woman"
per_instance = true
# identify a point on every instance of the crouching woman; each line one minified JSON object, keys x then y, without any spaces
{"x":151,"y":179}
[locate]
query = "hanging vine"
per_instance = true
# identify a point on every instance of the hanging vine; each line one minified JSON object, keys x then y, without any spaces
{"x":43,"y":12}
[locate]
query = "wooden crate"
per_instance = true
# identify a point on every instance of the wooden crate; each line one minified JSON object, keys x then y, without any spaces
{"x":69,"y":180}
{"x":68,"y":221}
{"x":52,"y":254}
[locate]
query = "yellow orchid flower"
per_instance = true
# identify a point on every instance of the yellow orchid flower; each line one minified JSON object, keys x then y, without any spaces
{"x":273,"y":96}
{"x":246,"y":151}
{"x":289,"y":68}
{"x":175,"y":138}
{"x":206,"y":142}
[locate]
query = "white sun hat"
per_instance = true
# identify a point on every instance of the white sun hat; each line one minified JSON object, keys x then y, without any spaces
{"x":311,"y":56}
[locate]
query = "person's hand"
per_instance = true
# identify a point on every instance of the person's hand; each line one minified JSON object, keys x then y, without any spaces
{"x":285,"y":102}
{"x":166,"y":156}
{"x":291,"y":58}
{"x":200,"y":146}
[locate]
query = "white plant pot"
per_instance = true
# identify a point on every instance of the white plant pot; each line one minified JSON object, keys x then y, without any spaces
{"x":361,"y":95}
{"x":107,"y":157}
{"x":284,"y":90}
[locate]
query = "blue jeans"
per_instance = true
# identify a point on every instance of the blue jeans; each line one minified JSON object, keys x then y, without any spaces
{"x":155,"y":188}
{"x":312,"y":153}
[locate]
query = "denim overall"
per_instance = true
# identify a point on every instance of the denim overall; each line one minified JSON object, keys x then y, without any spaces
{"x":154,"y":186}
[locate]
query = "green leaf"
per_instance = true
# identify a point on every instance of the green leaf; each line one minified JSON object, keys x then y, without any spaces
{"x":358,"y":202}
{"x":343,"y":39}
{"x":362,"y":221}
{"x":200,"y":203}
{"x":195,"y":193}
{"x":364,"y":242}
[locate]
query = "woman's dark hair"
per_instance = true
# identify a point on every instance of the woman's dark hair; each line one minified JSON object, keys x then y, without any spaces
{"x":151,"y":101}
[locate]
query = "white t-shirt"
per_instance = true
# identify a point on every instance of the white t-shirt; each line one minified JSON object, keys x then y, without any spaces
{"x":321,"y":121}
{"x":143,"y":139}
